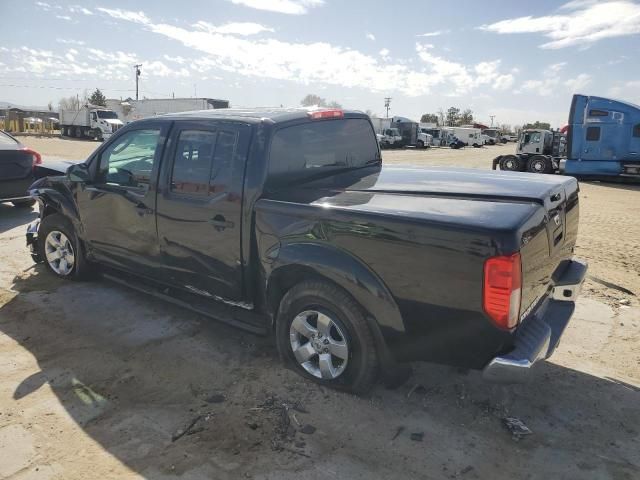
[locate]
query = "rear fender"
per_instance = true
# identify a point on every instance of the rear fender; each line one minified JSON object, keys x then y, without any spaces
{"x":349,"y":273}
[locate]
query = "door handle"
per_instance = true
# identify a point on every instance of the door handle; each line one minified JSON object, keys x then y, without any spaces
{"x":220,"y":223}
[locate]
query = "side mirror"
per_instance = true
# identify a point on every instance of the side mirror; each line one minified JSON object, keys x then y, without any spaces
{"x":78,"y":173}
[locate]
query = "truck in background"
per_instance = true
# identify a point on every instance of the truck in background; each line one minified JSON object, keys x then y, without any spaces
{"x":470,"y":136}
{"x":602,"y":140}
{"x":493,"y":134}
{"x":90,"y":121}
{"x":130,"y":110}
{"x":400,"y":132}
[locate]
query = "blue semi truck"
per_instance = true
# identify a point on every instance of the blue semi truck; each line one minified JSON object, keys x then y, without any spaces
{"x":602,"y":140}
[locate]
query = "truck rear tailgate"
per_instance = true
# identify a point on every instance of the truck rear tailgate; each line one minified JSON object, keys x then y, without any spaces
{"x":548,"y":242}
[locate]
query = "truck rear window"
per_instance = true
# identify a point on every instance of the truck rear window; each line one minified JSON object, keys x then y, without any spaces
{"x":302,"y":151}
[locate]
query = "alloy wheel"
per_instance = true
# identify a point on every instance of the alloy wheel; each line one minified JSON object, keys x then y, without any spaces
{"x":319,"y":344}
{"x":59,"y":252}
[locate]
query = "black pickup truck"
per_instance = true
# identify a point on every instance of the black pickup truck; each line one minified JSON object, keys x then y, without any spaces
{"x":285,"y":222}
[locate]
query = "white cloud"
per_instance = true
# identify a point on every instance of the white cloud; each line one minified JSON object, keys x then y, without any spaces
{"x":64,"y":17}
{"x":68,"y":41}
{"x":433,"y":34}
{"x":235,"y":28}
{"x":578,"y":83}
{"x":384,"y":54}
{"x":80,"y":9}
{"x":128,"y":15}
{"x":290,"y":7}
{"x":318,"y":62}
{"x":556,"y":67}
{"x":585,"y":23}
{"x":371,"y":36}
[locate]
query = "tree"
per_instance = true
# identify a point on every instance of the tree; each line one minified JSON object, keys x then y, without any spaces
{"x":537,"y":125}
{"x":98,"y":98}
{"x":369,"y":113}
{"x":453,"y":116}
{"x":50,"y":106}
{"x":312,"y":100}
{"x":73,"y":102}
{"x":466,"y":117}
{"x":69,"y":103}
{"x":429,"y":118}
{"x":441,"y":116}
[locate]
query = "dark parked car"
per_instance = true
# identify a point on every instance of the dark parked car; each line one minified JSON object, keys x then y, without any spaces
{"x":286,"y":222}
{"x":17,"y":164}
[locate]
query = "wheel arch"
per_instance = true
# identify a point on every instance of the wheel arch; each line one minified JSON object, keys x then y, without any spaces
{"x":302,"y":261}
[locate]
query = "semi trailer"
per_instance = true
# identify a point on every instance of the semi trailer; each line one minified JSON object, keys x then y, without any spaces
{"x":602,"y":140}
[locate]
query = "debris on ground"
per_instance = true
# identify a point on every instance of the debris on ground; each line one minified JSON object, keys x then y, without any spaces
{"x":216,"y":398}
{"x":417,"y":436}
{"x":517,"y":427}
{"x":611,"y":285}
{"x":308,"y":429}
{"x":186,"y":431}
{"x":398,"y":432}
{"x":417,"y":388}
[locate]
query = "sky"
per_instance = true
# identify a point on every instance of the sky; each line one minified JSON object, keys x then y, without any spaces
{"x":514,"y":61}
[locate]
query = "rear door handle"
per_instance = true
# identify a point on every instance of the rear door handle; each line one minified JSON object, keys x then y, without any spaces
{"x":220,"y":223}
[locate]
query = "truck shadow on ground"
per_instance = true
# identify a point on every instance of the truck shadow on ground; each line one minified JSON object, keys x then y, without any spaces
{"x":12,"y":217}
{"x":169,"y":393}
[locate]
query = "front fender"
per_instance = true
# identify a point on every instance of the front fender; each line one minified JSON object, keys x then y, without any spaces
{"x":56,"y":197}
{"x":351,"y":274}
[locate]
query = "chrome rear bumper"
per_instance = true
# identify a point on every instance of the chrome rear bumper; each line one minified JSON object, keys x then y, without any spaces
{"x":539,"y":335}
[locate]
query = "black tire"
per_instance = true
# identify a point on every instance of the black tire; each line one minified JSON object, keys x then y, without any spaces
{"x":511,"y":163}
{"x":539,"y":164}
{"x":420,"y":144}
{"x":24,"y":203}
{"x":57,"y":222}
{"x":361,"y":370}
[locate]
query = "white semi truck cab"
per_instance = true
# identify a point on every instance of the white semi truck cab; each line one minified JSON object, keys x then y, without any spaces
{"x":89,"y":122}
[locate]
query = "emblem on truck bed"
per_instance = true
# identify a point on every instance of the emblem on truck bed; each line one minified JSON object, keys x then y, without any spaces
{"x":557,"y":220}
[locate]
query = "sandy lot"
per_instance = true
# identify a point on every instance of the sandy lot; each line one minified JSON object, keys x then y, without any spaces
{"x":97,"y":380}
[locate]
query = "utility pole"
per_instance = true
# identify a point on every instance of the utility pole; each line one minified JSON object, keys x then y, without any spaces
{"x":137,"y":71}
{"x":492,"y":117}
{"x":387,"y":103}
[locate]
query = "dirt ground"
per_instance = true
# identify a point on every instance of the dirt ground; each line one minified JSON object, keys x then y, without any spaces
{"x":100,"y":382}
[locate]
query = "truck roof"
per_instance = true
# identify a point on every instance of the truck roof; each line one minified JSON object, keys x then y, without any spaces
{"x":258,"y":115}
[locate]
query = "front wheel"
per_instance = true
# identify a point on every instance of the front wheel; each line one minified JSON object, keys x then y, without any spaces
{"x":420,"y":144}
{"x":323,"y":335}
{"x":60,"y":248}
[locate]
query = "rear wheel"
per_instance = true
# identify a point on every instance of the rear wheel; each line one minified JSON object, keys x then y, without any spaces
{"x":511,"y":163}
{"x":323,"y":335}
{"x":539,"y":164}
{"x":60,"y":248}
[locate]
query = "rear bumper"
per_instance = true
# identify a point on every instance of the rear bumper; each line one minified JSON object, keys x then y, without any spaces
{"x":539,"y":335}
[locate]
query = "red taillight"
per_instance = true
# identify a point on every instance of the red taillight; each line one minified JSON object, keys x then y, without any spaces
{"x":37,"y":159}
{"x":333,"y":113}
{"x":502,"y":290}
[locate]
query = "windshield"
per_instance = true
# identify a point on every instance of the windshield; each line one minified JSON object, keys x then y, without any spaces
{"x":305,"y":150}
{"x":491,"y":133}
{"x":107,"y":115}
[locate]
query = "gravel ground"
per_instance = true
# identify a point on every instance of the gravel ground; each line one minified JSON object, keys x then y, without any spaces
{"x":101,"y":382}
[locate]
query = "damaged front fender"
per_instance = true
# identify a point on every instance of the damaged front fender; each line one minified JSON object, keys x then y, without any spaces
{"x":32,"y":241}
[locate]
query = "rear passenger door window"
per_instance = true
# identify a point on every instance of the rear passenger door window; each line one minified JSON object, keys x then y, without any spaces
{"x":203,"y":162}
{"x":193,"y":162}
